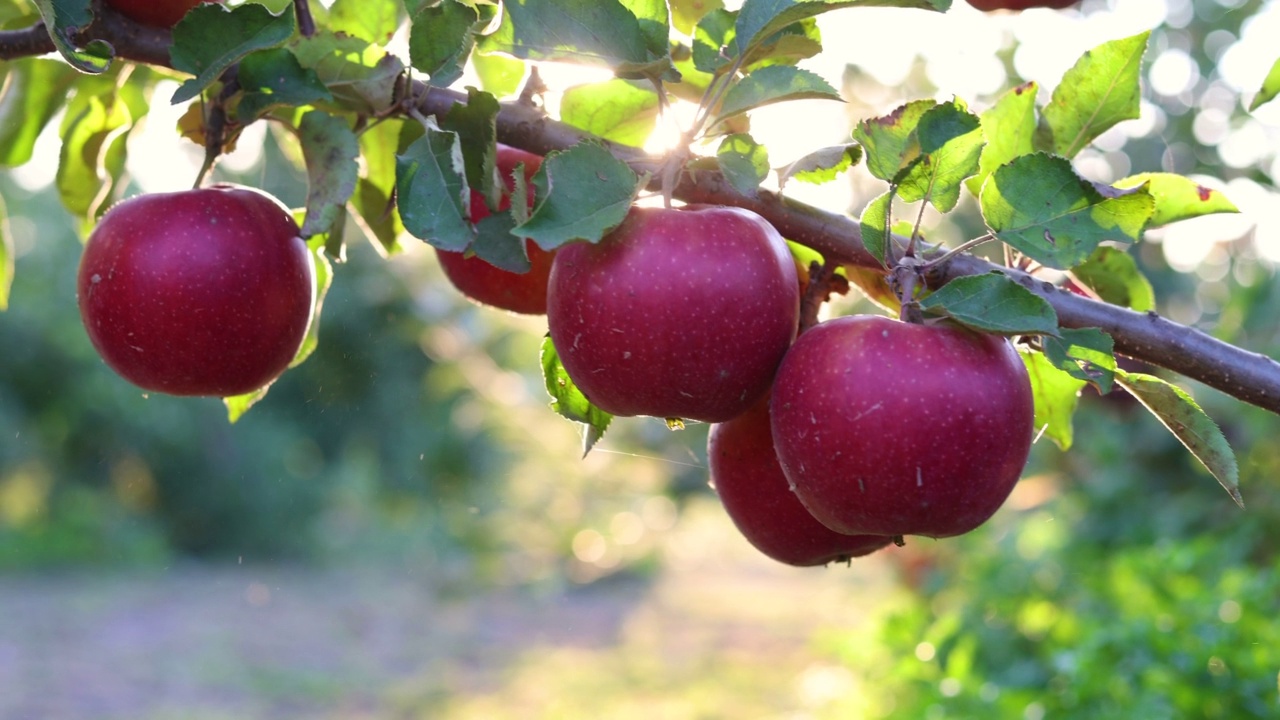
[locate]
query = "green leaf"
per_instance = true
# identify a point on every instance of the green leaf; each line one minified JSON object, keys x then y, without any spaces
{"x":583,"y":193}
{"x":212,"y":38}
{"x":1102,"y":89}
{"x":1038,"y":205}
{"x":476,"y":124}
{"x":330,"y":149}
{"x":713,"y":45}
{"x":1086,"y":354}
{"x":788,"y":46}
{"x":772,"y":84}
{"x":655,"y":24}
{"x":1177,"y":197}
{"x":1184,"y":418}
{"x":759,"y":19}
{"x":951,"y":142}
{"x":440,"y":40}
{"x":1114,"y":276}
{"x":874,"y":224}
{"x":890,"y":140}
{"x":623,"y":111}
{"x":496,"y":245}
{"x":274,"y":77}
{"x":372,"y":199}
{"x":685,"y":14}
{"x":31,"y":93}
{"x":744,"y":162}
{"x":95,"y":116}
{"x":361,"y":77}
{"x":238,"y":405}
{"x":6,"y":257}
{"x":499,"y":75}
{"x":372,"y":21}
{"x":822,"y":165}
{"x":1009,"y":127}
{"x":568,"y":401}
{"x":1270,"y":88}
{"x":993,"y":303}
{"x":65,"y":19}
{"x":431,"y":186}
{"x":324,"y":278}
{"x":1056,"y":396}
{"x":592,"y":32}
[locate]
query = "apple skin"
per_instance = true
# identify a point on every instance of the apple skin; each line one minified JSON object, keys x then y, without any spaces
{"x":676,"y":313}
{"x":157,"y":13}
{"x":1019,"y":5}
{"x":746,"y":475}
{"x":524,"y":293}
{"x":889,"y":428}
{"x":199,"y":292}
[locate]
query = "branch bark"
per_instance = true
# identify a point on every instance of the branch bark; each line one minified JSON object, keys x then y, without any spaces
{"x":1248,"y":376}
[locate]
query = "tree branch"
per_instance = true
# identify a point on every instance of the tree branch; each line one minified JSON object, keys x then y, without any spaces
{"x":1245,"y":375}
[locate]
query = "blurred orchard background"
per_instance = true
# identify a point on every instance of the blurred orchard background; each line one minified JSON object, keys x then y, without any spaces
{"x":402,"y":529}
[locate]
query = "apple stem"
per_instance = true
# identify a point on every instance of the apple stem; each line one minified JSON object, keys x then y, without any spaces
{"x":824,"y":282}
{"x":904,"y":279}
{"x":215,"y":124}
{"x":962,"y":247}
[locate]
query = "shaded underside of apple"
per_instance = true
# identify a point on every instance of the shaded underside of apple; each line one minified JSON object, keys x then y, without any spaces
{"x":749,"y":481}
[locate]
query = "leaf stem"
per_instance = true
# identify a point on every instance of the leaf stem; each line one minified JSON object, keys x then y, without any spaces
{"x":962,"y":247}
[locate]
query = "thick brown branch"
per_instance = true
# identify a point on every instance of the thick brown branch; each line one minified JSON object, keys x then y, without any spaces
{"x":1246,"y":375}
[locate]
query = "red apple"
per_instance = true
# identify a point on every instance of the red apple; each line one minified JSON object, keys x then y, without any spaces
{"x":747,"y":477}
{"x":1019,"y":5}
{"x":518,"y":292}
{"x":890,"y":428}
{"x":158,"y":13}
{"x":200,"y":292}
{"x":677,"y":313}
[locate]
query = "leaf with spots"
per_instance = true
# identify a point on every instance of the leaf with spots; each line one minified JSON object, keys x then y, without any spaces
{"x":1179,"y":412}
{"x":1037,"y":204}
{"x":330,"y":149}
{"x":1270,"y":88}
{"x":568,"y":401}
{"x":1177,"y":197}
{"x":1086,"y":354}
{"x":1009,"y":127}
{"x":1099,"y":91}
{"x":993,"y":303}
{"x":890,"y":140}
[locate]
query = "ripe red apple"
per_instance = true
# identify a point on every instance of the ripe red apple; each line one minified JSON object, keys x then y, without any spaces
{"x":992,"y":5}
{"x":747,"y":477}
{"x":518,"y":292}
{"x":890,"y":428}
{"x":158,"y":13}
{"x":200,"y":292}
{"x":678,"y":312}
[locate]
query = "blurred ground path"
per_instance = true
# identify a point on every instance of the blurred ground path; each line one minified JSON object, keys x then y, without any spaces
{"x":717,"y":628}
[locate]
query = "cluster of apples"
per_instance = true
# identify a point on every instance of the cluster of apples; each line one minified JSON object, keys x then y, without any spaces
{"x":825,"y":447}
